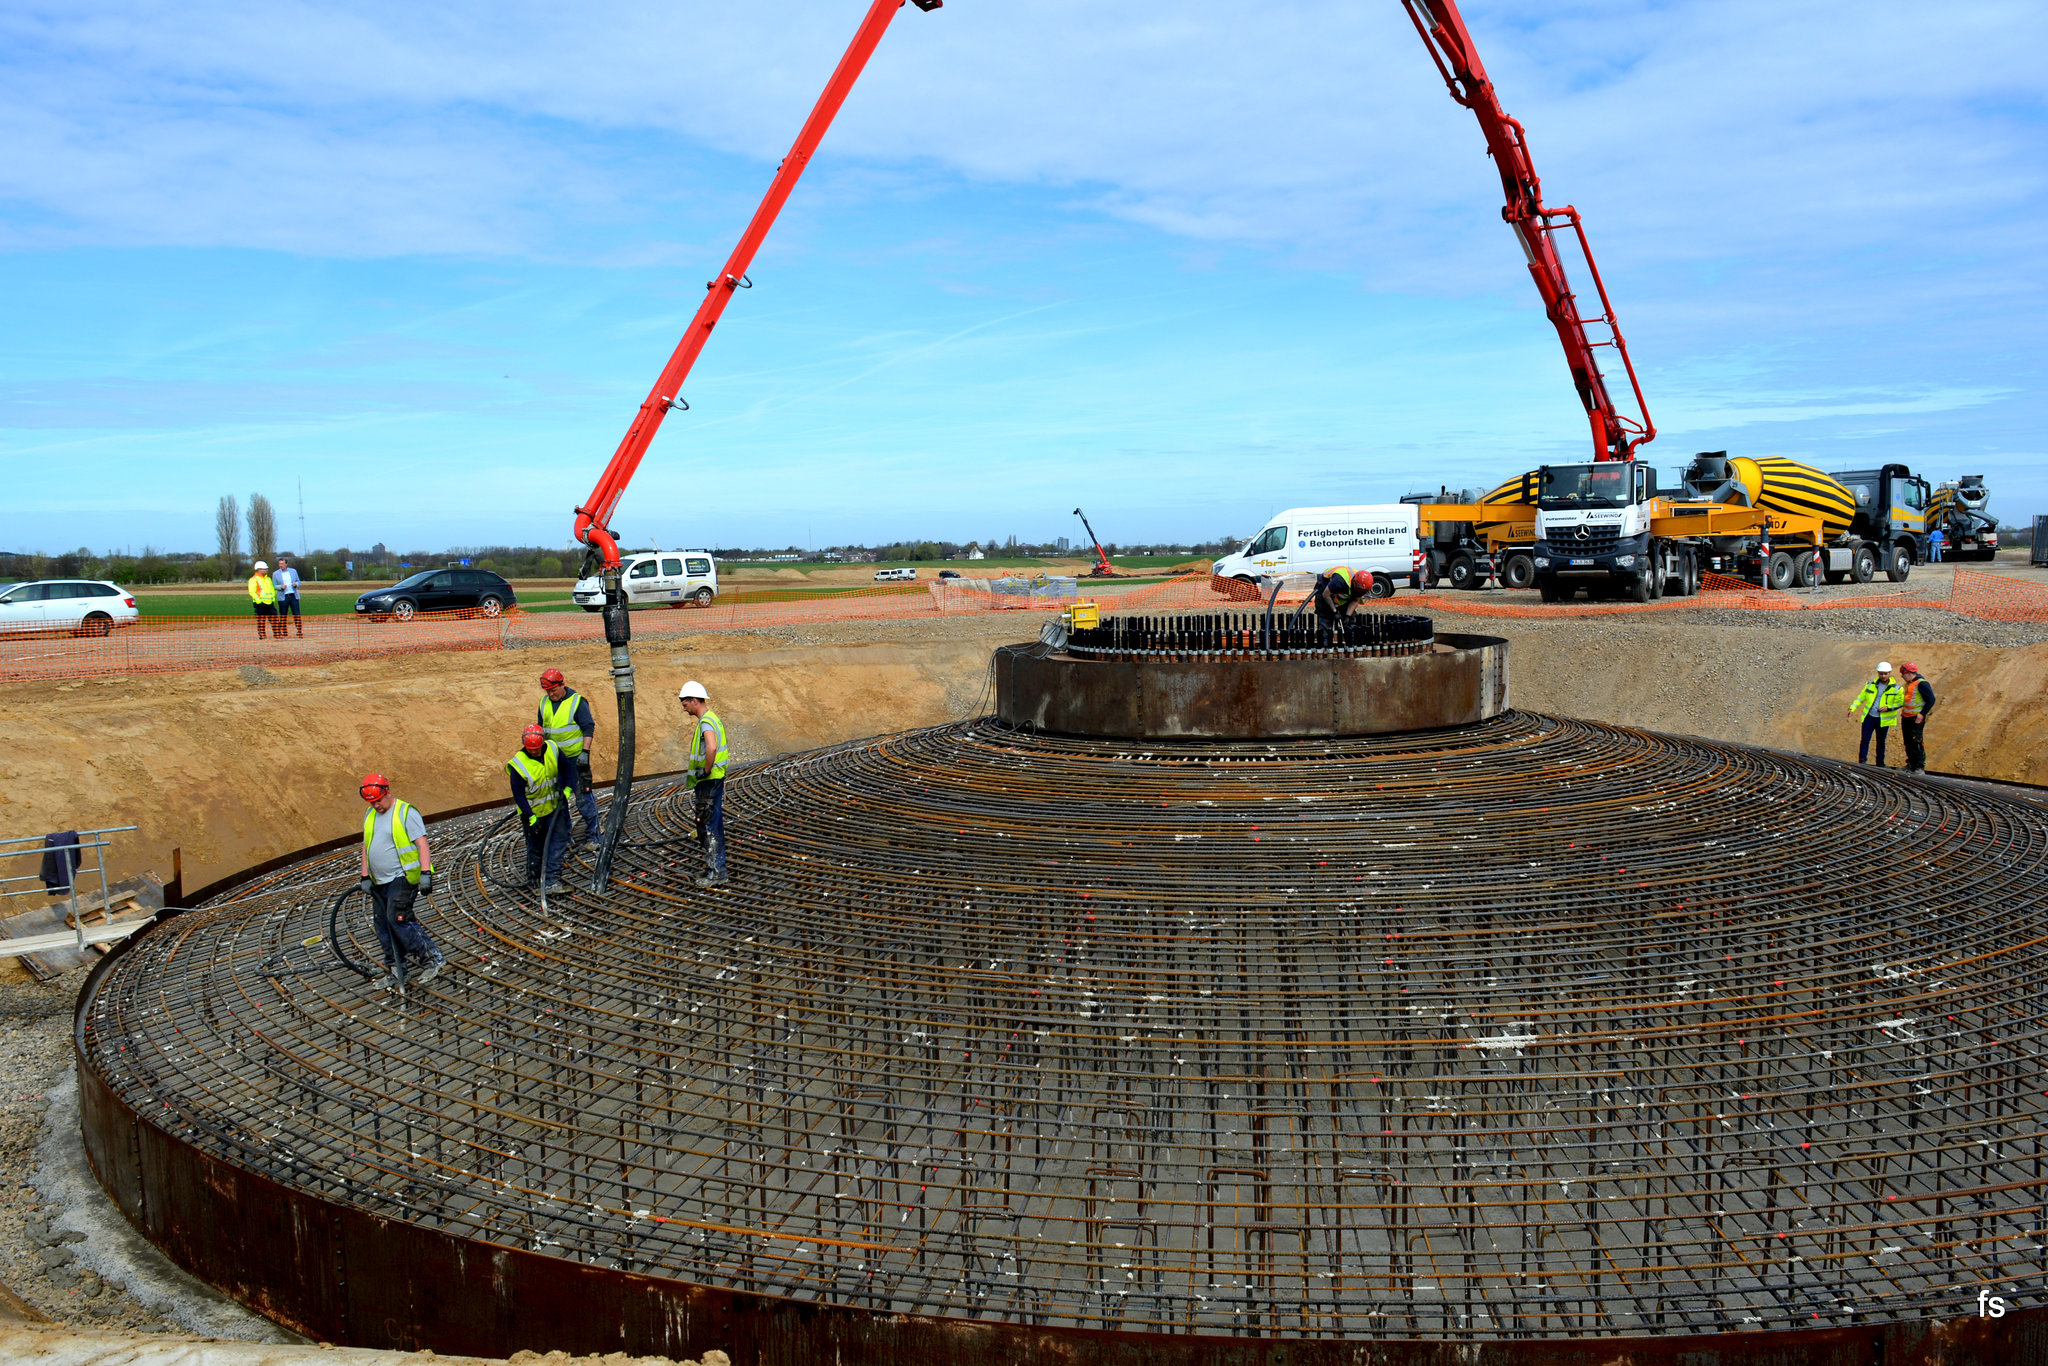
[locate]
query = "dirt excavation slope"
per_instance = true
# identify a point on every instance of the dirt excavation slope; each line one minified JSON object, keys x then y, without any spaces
{"x":239,"y":766}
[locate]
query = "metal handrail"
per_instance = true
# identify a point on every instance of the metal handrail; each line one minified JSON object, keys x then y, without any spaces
{"x":100,"y":858}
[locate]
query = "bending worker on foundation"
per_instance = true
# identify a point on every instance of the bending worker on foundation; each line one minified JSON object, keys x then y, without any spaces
{"x":537,"y":771}
{"x":709,"y":755}
{"x":565,"y":716}
{"x":1339,"y":590}
{"x":263,"y":597}
{"x":397,"y":868}
{"x":1879,"y":705}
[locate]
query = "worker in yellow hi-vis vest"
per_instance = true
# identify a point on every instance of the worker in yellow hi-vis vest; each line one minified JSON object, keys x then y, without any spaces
{"x":397,"y":868}
{"x":709,"y":755}
{"x":263,"y":597}
{"x":1879,"y":705}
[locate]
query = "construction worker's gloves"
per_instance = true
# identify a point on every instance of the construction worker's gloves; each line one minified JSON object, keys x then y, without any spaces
{"x":427,"y":883}
{"x":363,"y":884}
{"x":532,"y":819}
{"x":583,"y":767}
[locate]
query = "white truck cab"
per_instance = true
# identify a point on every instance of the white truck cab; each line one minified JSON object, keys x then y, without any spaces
{"x":1594,"y":520}
{"x":683,"y":578}
{"x":1375,"y":536}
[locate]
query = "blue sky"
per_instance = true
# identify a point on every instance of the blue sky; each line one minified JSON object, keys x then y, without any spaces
{"x":1184,"y":266}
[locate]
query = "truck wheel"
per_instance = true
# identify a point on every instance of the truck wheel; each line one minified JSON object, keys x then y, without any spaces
{"x":1464,"y":574}
{"x":1382,"y":586}
{"x":1863,"y":568}
{"x":1778,"y":573}
{"x":1638,"y":588}
{"x":1806,"y":569}
{"x":1898,"y":566}
{"x":1518,"y":571}
{"x":1547,"y":585}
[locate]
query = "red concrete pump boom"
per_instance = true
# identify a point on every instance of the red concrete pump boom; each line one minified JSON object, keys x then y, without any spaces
{"x":1615,"y":435}
{"x":593,"y":519}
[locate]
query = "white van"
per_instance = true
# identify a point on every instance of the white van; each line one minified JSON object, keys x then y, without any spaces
{"x":681,"y":578}
{"x":903,"y":575}
{"x":1379,"y":537}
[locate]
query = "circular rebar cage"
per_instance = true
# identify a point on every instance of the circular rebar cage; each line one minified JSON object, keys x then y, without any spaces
{"x":1252,"y":635}
{"x":1530,"y":1029}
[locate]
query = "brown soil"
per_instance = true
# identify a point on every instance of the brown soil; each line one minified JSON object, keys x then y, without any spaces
{"x":236,"y":767}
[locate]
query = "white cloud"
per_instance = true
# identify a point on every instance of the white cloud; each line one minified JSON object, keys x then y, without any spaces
{"x":1697,"y":130}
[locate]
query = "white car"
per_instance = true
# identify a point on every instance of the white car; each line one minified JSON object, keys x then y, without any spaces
{"x":88,"y":606}
{"x":903,"y":575}
{"x":680,"y":578}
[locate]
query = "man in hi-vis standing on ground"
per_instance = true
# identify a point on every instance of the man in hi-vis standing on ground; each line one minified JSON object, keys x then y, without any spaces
{"x":263,"y":597}
{"x":1878,"y":706}
{"x":709,"y":755}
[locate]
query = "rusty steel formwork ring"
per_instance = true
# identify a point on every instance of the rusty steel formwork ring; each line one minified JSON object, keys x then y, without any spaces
{"x":1528,"y":1041}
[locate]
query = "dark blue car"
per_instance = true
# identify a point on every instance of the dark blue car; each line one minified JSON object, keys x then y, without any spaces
{"x":473,"y":592}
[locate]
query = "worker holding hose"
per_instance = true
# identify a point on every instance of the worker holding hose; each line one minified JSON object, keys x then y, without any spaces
{"x":1339,"y":590}
{"x":397,"y":868}
{"x":536,"y":772}
{"x":709,"y":755}
{"x":565,"y":716}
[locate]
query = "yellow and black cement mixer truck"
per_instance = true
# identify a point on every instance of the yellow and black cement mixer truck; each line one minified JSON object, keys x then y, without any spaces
{"x":1611,"y":529}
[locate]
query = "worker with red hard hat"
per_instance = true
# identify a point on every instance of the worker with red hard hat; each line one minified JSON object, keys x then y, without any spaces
{"x":566,"y":717}
{"x":537,"y":772}
{"x":397,"y":868}
{"x":1338,"y":590}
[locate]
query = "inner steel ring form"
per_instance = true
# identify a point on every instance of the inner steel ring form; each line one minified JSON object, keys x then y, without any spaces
{"x":1532,"y":1028}
{"x":1252,"y":635}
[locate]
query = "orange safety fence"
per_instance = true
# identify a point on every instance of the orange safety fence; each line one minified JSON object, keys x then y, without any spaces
{"x":1995,"y":597}
{"x":158,"y":645}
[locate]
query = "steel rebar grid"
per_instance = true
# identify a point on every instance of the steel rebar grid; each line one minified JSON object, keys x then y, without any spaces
{"x":1532,"y":1028}
{"x":1251,"y":636}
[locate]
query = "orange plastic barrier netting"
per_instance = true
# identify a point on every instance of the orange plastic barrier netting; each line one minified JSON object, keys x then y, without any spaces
{"x":1994,"y":597}
{"x":158,"y":645}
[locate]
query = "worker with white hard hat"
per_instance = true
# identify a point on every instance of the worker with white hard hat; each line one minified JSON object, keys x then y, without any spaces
{"x":263,"y":597}
{"x":709,"y":755}
{"x":1879,"y":705}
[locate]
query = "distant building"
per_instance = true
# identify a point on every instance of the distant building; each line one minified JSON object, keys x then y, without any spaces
{"x":378,"y":552}
{"x":976,"y":554}
{"x":1062,"y":544}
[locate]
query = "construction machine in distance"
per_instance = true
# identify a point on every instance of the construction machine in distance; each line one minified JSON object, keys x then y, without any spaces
{"x":1103,"y":568}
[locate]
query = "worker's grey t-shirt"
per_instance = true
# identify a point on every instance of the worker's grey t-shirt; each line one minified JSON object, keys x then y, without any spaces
{"x":384,"y":864}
